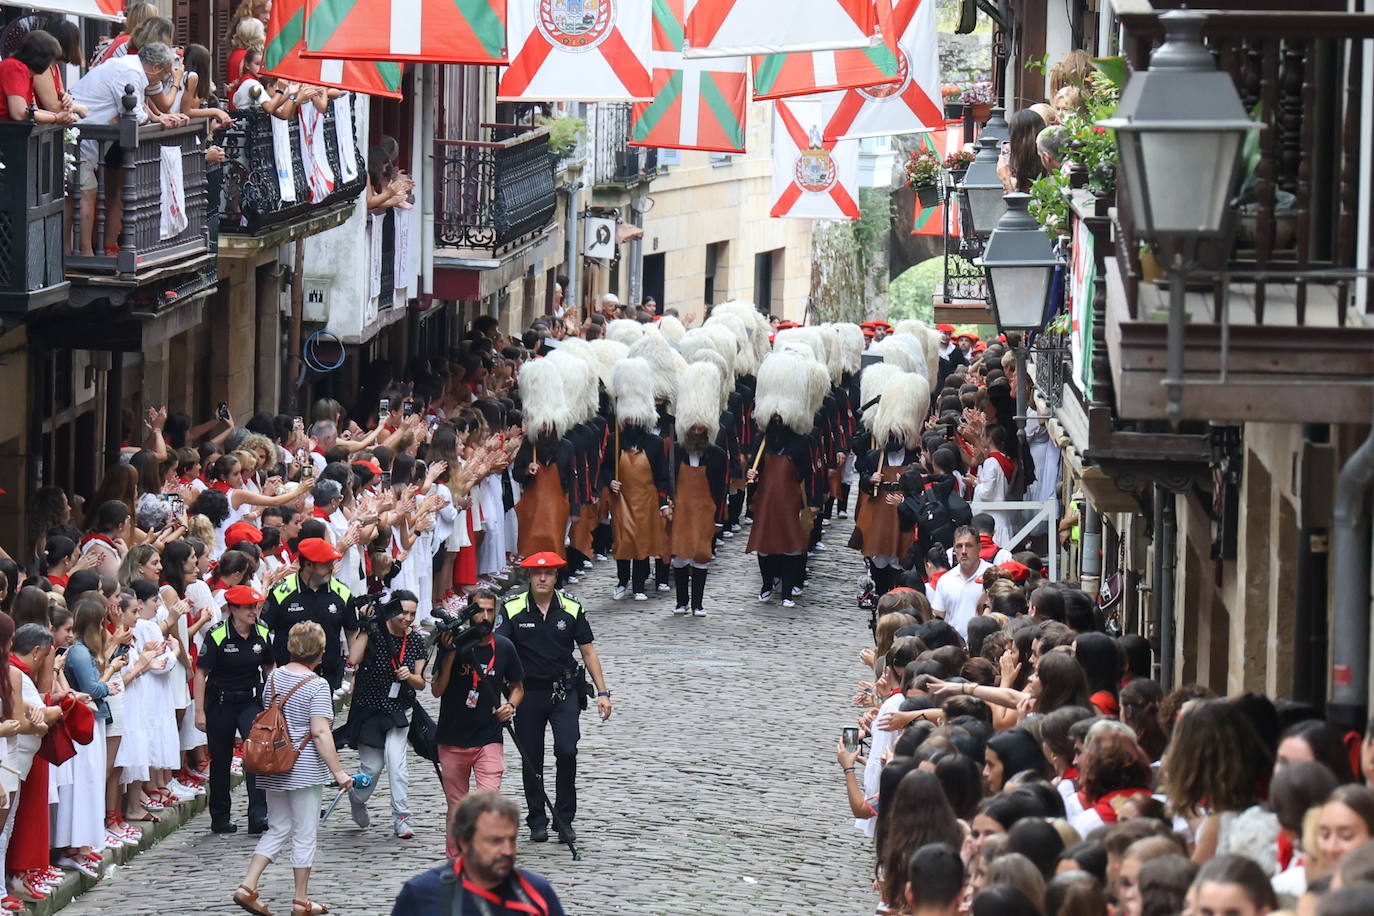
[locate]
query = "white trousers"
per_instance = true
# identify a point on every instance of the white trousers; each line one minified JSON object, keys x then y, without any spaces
{"x":392,"y":757}
{"x":292,"y":815}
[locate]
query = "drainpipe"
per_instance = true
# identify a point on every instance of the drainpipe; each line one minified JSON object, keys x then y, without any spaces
{"x":1090,"y":548}
{"x":1166,"y":530}
{"x":573,"y":291}
{"x":428,"y":192}
{"x":1350,"y":582}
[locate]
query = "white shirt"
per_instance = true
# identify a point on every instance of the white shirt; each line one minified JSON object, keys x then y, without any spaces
{"x":882,"y":740}
{"x":992,"y":488}
{"x":102,"y":90}
{"x":957,"y":598}
{"x":243,"y":95}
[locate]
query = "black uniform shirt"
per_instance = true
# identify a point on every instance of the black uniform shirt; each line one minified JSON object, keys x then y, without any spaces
{"x":544,"y":642}
{"x":234,"y":662}
{"x":292,"y":602}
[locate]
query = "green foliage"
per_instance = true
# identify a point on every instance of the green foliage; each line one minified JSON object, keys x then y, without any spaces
{"x":1048,"y":204}
{"x":849,"y":260}
{"x":912,"y":295}
{"x":564,"y":133}
{"x":922,"y":167}
{"x":1113,"y":69}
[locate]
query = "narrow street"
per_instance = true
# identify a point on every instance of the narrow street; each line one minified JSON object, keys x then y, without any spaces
{"x":712,"y":790}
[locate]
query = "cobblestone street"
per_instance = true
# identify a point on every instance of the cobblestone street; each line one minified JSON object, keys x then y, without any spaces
{"x":712,"y":790}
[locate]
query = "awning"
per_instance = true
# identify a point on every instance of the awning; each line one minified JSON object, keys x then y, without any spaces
{"x":627,"y":232}
{"x":110,"y":10}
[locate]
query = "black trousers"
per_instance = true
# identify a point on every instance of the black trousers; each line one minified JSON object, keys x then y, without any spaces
{"x":224,"y":718}
{"x":538,"y":711}
{"x":636,"y":570}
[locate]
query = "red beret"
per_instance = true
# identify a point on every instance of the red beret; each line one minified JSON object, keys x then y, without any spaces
{"x":868,"y":332}
{"x":882,"y":324}
{"x":318,"y":550}
{"x":969,"y":334}
{"x":545,"y":560}
{"x":242,"y":595}
{"x":947,"y":328}
{"x":372,"y":466}
{"x":1020,"y":572}
{"x":242,"y":531}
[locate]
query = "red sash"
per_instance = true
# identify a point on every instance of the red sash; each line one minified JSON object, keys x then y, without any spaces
{"x":535,"y":906}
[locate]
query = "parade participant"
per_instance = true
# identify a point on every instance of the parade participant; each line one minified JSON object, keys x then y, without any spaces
{"x":543,"y":466}
{"x":312,"y":594}
{"x":229,"y":674}
{"x":897,"y":425}
{"x":781,"y":471}
{"x":471,"y":711}
{"x":587,"y":435}
{"x":637,"y":478}
{"x":482,"y":878}
{"x":698,"y":484}
{"x":390,"y":657}
{"x":545,"y":625}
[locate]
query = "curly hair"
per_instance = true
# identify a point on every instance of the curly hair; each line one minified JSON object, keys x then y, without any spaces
{"x":1113,"y":762}
{"x":1215,"y":758}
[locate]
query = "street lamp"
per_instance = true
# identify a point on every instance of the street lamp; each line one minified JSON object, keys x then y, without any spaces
{"x":1019,"y":264}
{"x":980,"y":193}
{"x":997,"y":127}
{"x":1179,"y":130}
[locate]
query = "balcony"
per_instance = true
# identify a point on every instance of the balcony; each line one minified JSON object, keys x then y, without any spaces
{"x":32,"y":212}
{"x":614,"y":163}
{"x":493,"y":196}
{"x":1274,"y":330}
{"x":264,"y":202}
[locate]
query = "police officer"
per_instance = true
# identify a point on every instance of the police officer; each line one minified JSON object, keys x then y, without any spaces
{"x":229,"y":675}
{"x":313,"y":594}
{"x":545,"y":625}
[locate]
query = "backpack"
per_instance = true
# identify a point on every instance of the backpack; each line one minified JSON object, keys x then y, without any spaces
{"x":934,"y":523}
{"x":268,"y":750}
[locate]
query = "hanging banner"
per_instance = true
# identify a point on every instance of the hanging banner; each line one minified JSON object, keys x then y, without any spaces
{"x":910,"y":104}
{"x":734,"y":28}
{"x":578,"y":51}
{"x":778,"y":76}
{"x":282,"y":58}
{"x":813,"y":178}
{"x":423,"y":31}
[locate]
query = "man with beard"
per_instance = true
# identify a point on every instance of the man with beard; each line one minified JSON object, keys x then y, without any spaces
{"x":697,"y":484}
{"x":897,"y":427}
{"x":483,"y":877}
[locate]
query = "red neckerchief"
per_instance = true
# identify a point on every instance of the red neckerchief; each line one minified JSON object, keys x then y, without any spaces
{"x":99,"y":537}
{"x":321,"y":513}
{"x":935,"y":579}
{"x":222,"y":486}
{"x":1107,"y":810}
{"x":491,"y":664}
{"x":1008,"y":466}
{"x":283,"y":553}
{"x":1105,"y":703}
{"x":987,"y":549}
{"x":59,"y":581}
{"x":1285,"y":851}
{"x":1071,"y":774}
{"x":21,"y":666}
{"x":536,"y":906}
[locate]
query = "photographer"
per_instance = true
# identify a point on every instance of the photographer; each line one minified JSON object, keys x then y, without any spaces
{"x":469,"y":678}
{"x":390,"y":657}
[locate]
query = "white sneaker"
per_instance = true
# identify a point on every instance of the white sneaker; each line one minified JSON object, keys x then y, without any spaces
{"x":820,"y":545}
{"x":181,"y":790}
{"x":587,"y":564}
{"x":664,"y":587}
{"x":679,"y":611}
{"x":571,"y":580}
{"x":403,"y":830}
{"x":727,"y":533}
{"x":601,"y":556}
{"x":788,"y":602}
{"x":698,"y":612}
{"x":81,"y":865}
{"x":765,"y":596}
{"x":640,"y":596}
{"x":618,"y":593}
{"x":735,"y":527}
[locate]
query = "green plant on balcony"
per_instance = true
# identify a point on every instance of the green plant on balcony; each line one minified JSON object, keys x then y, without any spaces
{"x":1088,"y":149}
{"x":923,"y":167}
{"x":564,"y":133}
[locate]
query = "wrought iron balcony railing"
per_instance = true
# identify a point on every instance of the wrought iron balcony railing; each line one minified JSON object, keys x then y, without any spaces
{"x":493,"y":194}
{"x":614,"y":161}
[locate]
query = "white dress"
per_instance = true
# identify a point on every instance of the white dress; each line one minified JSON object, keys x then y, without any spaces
{"x":150,"y":725}
{"x":491,"y":554}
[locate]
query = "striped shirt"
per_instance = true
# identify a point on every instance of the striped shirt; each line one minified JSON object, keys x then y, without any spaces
{"x":314,"y":699}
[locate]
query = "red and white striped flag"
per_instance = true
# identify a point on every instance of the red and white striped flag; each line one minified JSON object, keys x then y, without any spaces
{"x":813,"y":178}
{"x":780,"y":76}
{"x":913,"y":102}
{"x":434,"y":31}
{"x":578,"y":50}
{"x":282,"y":58}
{"x":731,"y":28}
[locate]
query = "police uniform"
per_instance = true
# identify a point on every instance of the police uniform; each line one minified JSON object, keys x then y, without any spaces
{"x":233,"y":667}
{"x":292,"y":602}
{"x":545,"y":644}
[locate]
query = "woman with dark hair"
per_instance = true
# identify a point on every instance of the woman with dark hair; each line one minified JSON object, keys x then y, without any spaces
{"x":979,"y":629}
{"x":105,"y":537}
{"x":196,"y":87}
{"x":1315,"y":740}
{"x":1139,"y":656}
{"x":962,"y":783}
{"x":31,"y":606}
{"x":1346,"y":821}
{"x":1037,"y":840}
{"x":1114,"y":769}
{"x":47,"y":86}
{"x":1008,"y":753}
{"x":1296,"y":789}
{"x":33,"y":58}
{"x":1096,"y":653}
{"x":1089,"y":856}
{"x":58,"y":561}
{"x":920,"y":815}
{"x":890,"y":777}
{"x":1003,"y":899}
{"x":1234,"y":885}
{"x":1058,"y":681}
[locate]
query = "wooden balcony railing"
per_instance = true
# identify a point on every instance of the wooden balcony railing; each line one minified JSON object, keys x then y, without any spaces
{"x":490,"y":195}
{"x":32,"y":212}
{"x":259,"y":193}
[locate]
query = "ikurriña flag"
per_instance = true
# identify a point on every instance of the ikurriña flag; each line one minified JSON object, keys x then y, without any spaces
{"x":698,"y":104}
{"x":282,"y":58}
{"x":910,"y":104}
{"x":578,"y":50}
{"x":731,"y":28}
{"x":430,"y":31}
{"x":778,"y":76}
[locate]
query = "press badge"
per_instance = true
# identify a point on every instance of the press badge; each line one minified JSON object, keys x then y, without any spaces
{"x":472,"y":698}
{"x":395,"y":690}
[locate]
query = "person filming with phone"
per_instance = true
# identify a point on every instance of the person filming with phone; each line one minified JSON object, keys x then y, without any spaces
{"x":469,"y":679}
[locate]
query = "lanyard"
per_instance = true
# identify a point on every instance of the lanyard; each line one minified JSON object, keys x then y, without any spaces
{"x":491,"y":664}
{"x":535,"y":904}
{"x":400,"y":656}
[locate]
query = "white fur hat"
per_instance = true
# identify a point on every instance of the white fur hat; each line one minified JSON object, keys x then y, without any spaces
{"x":930,"y":341}
{"x":543,"y":399}
{"x":713,"y":358}
{"x":698,"y":400}
{"x":580,"y":384}
{"x":634,"y":400}
{"x":624,"y":330}
{"x":664,"y":363}
{"x":607,"y":353}
{"x":872,"y":381}
{"x":783,"y":389}
{"x":671,"y":328}
{"x":852,"y":344}
{"x":902,"y":412}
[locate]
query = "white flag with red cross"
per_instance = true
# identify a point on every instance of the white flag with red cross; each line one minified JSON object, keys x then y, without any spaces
{"x":578,"y":50}
{"x":813,"y":178}
{"x":913,"y":102}
{"x":734,"y":28}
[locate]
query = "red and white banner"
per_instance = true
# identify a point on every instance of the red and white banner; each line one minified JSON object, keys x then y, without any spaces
{"x":733,"y":28}
{"x":813,"y":178}
{"x":913,"y":103}
{"x":578,"y":50}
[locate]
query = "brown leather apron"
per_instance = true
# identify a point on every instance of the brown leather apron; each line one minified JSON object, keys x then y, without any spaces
{"x":694,"y":516}
{"x":635,"y":522}
{"x":542,"y":513}
{"x":580,"y":534}
{"x":778,"y":526}
{"x":882,"y":533}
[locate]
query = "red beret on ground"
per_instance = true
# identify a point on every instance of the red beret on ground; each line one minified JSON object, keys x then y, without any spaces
{"x":318,"y":550}
{"x":947,"y":328}
{"x":242,"y":594}
{"x":242,"y":531}
{"x":545,"y":560}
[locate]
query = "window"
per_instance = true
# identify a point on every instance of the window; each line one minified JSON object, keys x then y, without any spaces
{"x":766,"y":264}
{"x":668,"y":157}
{"x":721,"y":159}
{"x":715,"y":264}
{"x":652,"y":279}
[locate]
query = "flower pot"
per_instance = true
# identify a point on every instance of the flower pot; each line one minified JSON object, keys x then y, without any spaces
{"x":981,"y":111}
{"x":954,"y":111}
{"x":928,"y":195}
{"x":956,"y":176}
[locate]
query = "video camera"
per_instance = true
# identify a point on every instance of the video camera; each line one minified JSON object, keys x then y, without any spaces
{"x":460,"y":626}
